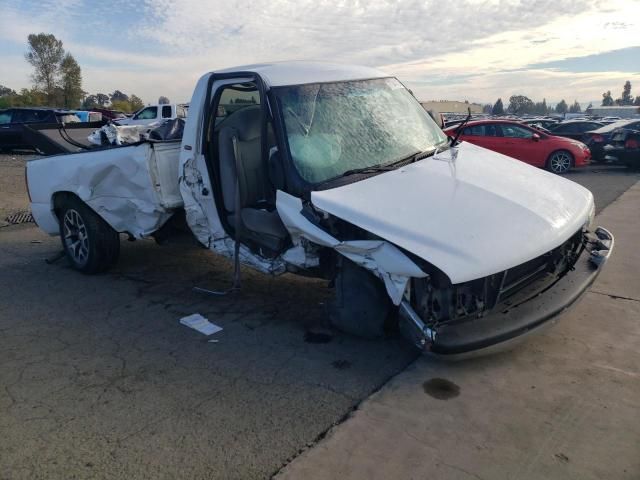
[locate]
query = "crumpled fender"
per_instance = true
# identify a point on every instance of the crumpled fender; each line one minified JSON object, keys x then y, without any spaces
{"x":115,"y":183}
{"x":380,"y":257}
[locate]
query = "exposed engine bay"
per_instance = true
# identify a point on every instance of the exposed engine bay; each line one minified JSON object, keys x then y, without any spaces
{"x":438,"y":303}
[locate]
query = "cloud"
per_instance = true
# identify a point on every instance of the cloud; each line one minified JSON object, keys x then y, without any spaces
{"x":621,"y":60}
{"x":373,"y":32}
{"x":464,"y":49}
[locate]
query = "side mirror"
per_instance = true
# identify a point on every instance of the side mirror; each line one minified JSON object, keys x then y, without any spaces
{"x":535,"y":137}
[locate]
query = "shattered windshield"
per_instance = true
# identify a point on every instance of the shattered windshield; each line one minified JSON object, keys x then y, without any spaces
{"x":333,"y":128}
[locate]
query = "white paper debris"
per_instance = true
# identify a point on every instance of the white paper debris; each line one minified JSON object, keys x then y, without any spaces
{"x":201,"y":324}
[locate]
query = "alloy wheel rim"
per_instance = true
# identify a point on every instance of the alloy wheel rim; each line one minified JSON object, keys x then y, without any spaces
{"x":75,"y":237}
{"x":560,"y":162}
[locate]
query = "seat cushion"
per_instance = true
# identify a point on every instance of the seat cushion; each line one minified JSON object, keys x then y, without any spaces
{"x":264,"y":221}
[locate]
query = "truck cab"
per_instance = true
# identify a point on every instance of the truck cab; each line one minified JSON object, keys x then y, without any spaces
{"x":155,"y":113}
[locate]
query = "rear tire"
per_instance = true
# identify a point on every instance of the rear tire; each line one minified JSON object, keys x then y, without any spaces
{"x":90,"y":244}
{"x":361,"y":305}
{"x":560,"y":162}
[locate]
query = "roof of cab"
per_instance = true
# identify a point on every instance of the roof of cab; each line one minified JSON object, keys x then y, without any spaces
{"x":279,"y":74}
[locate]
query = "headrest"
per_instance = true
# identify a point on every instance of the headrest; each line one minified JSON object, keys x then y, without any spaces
{"x":246,"y":122}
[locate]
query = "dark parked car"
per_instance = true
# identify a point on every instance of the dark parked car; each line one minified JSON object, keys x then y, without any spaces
{"x":574,"y":129}
{"x":597,"y":139}
{"x":541,"y":122}
{"x":13,"y":119}
{"x":625,"y":146}
{"x":108,"y":114}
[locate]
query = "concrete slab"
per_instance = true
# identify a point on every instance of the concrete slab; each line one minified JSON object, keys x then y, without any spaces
{"x":622,"y":278}
{"x":564,"y":405}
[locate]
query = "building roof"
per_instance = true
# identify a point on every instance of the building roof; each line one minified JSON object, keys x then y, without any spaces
{"x":298,"y":73}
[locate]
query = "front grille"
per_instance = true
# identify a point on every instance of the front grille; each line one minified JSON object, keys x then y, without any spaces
{"x":441,"y":304}
{"x":551,"y":263}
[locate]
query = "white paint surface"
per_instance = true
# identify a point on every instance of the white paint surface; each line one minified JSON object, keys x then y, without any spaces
{"x":479,"y":214}
{"x":129,"y":187}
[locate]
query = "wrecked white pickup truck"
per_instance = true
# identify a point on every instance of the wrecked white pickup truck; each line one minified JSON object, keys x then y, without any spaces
{"x":339,"y":173}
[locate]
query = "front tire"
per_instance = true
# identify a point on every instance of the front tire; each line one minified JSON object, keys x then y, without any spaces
{"x":90,"y":244}
{"x":560,"y":162}
{"x":361,"y":306}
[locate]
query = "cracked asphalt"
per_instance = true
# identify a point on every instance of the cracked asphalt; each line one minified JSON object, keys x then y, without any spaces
{"x":99,"y":380}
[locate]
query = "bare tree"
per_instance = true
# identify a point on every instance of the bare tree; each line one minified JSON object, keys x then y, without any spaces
{"x":163,"y":100}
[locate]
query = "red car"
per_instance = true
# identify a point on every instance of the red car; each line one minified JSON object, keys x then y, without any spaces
{"x":557,"y":154}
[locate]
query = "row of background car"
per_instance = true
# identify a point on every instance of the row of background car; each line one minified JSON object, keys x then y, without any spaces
{"x":534,"y":140}
{"x":594,"y":132}
{"x":12,"y":119}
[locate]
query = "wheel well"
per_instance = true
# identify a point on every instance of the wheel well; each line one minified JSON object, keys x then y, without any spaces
{"x":59,"y":199}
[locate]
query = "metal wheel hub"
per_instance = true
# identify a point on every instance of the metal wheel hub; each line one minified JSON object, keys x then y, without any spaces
{"x":560,"y":162}
{"x":76,"y":239}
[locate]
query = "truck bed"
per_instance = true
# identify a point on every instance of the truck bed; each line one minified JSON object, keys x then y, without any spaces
{"x":133,"y":188}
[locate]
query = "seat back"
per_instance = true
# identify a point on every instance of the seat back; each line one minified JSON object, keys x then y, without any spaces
{"x":245,"y":125}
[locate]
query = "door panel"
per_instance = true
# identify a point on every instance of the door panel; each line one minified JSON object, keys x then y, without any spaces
{"x":10,"y":132}
{"x":519,"y":143}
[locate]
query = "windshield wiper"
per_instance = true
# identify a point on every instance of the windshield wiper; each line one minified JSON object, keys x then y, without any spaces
{"x":414,"y":157}
{"x":460,"y":128}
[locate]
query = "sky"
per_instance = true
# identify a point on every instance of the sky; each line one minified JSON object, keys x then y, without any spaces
{"x":476,"y":50}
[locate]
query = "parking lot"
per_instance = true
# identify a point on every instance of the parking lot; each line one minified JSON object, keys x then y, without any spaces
{"x":100,"y":380}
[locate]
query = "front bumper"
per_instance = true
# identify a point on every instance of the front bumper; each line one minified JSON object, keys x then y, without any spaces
{"x":508,"y":323}
{"x":622,"y":155}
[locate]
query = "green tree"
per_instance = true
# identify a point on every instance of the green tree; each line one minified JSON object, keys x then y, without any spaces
{"x":122,"y":106}
{"x":562,"y":107}
{"x":71,"y":82}
{"x":637,"y":101}
{"x":45,"y":53}
{"x":607,"y":100}
{"x":540,"y":108}
{"x":102,"y":99}
{"x":575,"y":108}
{"x":135,"y":102}
{"x":6,"y":91}
{"x":626,"y":98}
{"x":487,"y":108}
{"x":498,"y":108}
{"x":118,"y":96}
{"x":89,"y":102}
{"x":520,"y":104}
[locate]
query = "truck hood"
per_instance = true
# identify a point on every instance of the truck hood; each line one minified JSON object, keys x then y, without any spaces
{"x":469,"y":211}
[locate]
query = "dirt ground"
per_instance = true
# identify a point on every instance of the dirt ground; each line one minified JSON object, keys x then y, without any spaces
{"x":13,"y":193}
{"x":99,"y":380}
